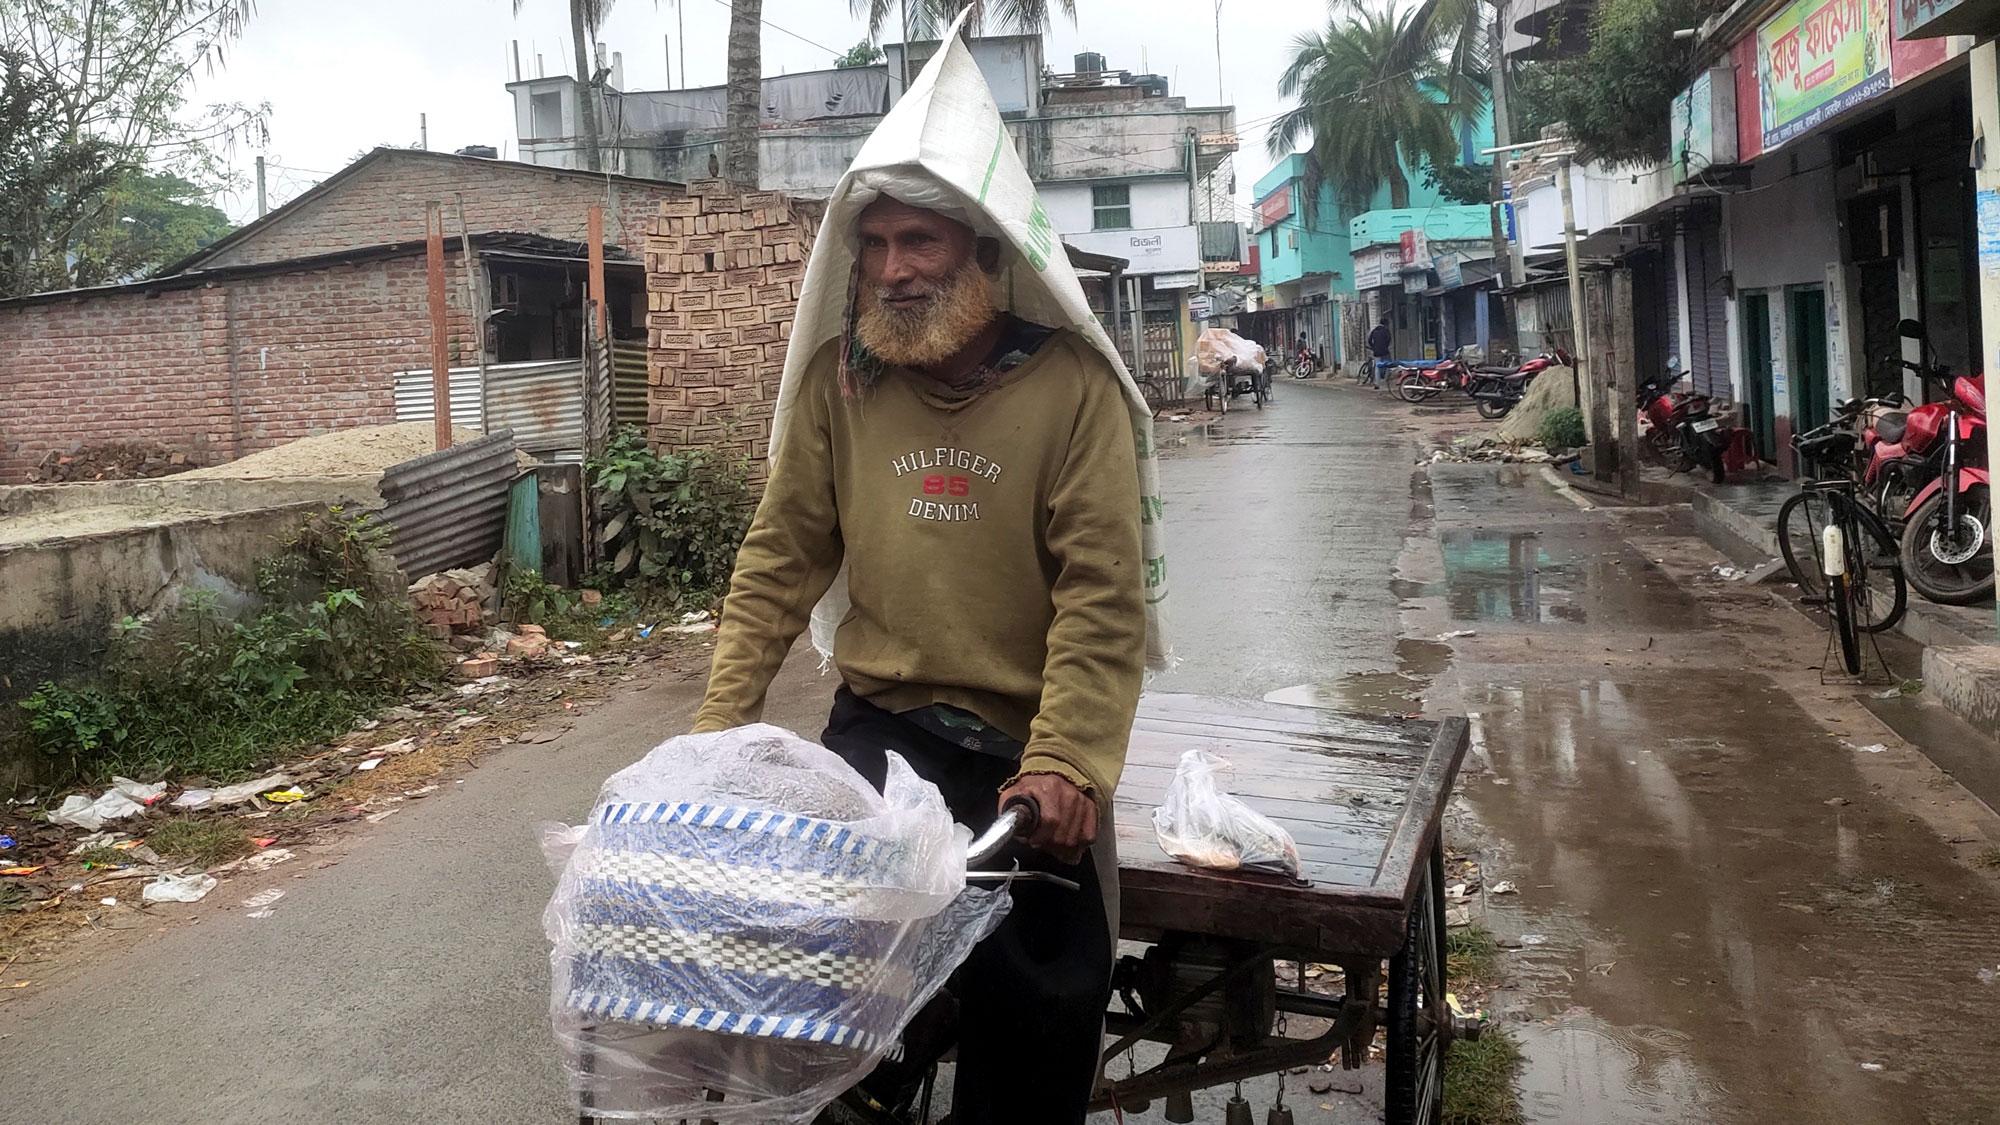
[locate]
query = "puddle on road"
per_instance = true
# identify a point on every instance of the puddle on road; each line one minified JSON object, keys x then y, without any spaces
{"x":1400,"y":692}
{"x":1734,"y":926}
{"x":1537,"y":579}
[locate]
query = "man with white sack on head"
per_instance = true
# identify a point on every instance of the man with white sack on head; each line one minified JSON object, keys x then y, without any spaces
{"x":963,"y":506}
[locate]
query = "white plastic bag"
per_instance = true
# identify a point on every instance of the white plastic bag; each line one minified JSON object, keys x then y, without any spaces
{"x":743,"y":913}
{"x":1203,"y":825}
{"x":178,"y":888}
{"x":90,"y":815}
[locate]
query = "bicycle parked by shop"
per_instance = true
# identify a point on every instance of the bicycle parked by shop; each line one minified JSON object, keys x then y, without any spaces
{"x":1842,"y":554}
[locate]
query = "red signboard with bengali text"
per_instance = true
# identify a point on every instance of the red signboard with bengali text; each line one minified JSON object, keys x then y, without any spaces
{"x":1275,"y":207}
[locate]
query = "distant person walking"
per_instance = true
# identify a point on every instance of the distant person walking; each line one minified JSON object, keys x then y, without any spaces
{"x":1378,"y":346}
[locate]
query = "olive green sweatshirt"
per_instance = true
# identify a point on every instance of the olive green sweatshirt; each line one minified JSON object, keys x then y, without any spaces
{"x":992,"y":553}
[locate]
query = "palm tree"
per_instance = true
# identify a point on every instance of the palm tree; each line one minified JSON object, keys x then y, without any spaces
{"x":746,"y":81}
{"x":1366,"y":89}
{"x":1026,"y":17}
{"x":1457,"y":31}
{"x":585,"y":18}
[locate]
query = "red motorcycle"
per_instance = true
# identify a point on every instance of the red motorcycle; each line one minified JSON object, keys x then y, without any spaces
{"x":1676,"y":426}
{"x":1426,"y":382}
{"x":1497,"y":390}
{"x":1947,"y":528}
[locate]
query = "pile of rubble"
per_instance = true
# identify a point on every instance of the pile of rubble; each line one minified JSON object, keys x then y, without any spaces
{"x":115,"y":460}
{"x":456,"y":606}
{"x":1468,"y":449}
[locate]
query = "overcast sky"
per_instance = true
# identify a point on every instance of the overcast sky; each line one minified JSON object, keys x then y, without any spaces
{"x":343,"y":78}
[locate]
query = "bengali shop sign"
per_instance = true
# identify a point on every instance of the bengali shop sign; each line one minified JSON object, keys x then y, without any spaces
{"x":1818,"y":58}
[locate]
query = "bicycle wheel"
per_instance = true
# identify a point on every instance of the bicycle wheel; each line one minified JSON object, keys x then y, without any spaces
{"x":1880,"y":593}
{"x":1800,"y":521}
{"x":1839,"y":597}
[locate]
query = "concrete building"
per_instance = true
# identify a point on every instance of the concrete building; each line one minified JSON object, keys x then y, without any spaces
{"x":1331,"y":264}
{"x":1120,"y":162}
{"x":1797,"y":218}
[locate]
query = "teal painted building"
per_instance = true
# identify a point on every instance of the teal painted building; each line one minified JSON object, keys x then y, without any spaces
{"x":1306,"y":256}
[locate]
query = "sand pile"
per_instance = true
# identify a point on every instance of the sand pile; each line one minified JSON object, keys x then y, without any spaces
{"x":364,"y":450}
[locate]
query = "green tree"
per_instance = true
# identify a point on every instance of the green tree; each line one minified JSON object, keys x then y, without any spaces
{"x":1616,"y":96}
{"x":931,"y":17}
{"x":1365,"y":92}
{"x":109,"y":77}
{"x":154,"y":219}
{"x":864,"y":53}
{"x":1460,"y":183}
{"x":49,"y":180}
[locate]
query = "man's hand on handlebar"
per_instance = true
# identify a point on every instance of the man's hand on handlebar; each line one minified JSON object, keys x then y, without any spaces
{"x":1068,"y":820}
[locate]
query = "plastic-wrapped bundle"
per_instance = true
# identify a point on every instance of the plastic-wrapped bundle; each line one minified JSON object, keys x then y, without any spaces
{"x":1201,"y":824}
{"x":744,"y":917}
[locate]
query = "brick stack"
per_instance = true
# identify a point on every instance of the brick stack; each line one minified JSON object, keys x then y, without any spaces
{"x":723,"y":271}
{"x":455,"y":605}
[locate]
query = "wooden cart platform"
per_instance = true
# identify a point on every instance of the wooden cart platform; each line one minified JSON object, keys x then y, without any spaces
{"x":1363,"y":796}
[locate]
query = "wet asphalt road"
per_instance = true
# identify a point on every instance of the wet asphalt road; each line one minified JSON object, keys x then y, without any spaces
{"x":1727,"y":913}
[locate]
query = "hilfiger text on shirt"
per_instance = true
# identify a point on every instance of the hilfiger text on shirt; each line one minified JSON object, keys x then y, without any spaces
{"x":946,"y":457}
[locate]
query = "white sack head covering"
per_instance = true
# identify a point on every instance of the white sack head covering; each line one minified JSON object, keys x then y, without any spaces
{"x":943,"y":147}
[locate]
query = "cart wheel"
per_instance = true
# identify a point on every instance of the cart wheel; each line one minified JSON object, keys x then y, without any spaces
{"x":1418,"y":1016}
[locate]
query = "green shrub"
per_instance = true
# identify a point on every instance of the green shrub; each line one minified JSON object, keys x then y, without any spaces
{"x":196,"y":689}
{"x":673,"y":521}
{"x":1561,"y":428}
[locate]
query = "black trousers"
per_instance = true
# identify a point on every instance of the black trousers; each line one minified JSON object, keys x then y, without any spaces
{"x":1031,"y":997}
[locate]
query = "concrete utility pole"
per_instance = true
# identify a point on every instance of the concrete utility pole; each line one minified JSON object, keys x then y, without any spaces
{"x":1985,"y":65}
{"x":424,"y":131}
{"x":1220,"y":97}
{"x":1575,"y":285}
{"x":261,"y":208}
{"x":1503,"y":137}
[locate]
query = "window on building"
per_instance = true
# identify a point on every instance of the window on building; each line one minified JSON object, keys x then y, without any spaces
{"x":1111,"y":207}
{"x":545,"y":116}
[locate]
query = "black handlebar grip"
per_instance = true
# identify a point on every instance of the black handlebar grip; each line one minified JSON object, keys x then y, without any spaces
{"x":1031,"y":814}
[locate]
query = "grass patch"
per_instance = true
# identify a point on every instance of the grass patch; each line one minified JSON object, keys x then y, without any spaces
{"x":1988,"y":859}
{"x":202,"y":842}
{"x":1479,"y":1080}
{"x":105,"y":857}
{"x":1470,"y":954}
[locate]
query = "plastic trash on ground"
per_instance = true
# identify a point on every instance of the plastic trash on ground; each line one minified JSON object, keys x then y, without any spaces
{"x":90,"y":815}
{"x":178,"y":888}
{"x":744,"y":914}
{"x":1202,"y":825}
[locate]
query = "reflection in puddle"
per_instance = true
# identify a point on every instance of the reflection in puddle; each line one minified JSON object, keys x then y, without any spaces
{"x":1527,"y":577}
{"x":1733,"y":926}
{"x":1400,"y":692}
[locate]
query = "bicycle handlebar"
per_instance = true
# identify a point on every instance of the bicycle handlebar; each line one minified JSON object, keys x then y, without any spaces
{"x":1017,"y":820}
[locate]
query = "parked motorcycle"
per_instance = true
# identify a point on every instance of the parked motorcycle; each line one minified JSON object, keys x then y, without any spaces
{"x":1423,"y":382}
{"x":1497,"y":390}
{"x":1677,"y":427}
{"x":1305,"y":364}
{"x":1947,"y":529}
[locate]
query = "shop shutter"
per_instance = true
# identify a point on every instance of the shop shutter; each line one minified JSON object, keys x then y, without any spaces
{"x":1708,"y":312}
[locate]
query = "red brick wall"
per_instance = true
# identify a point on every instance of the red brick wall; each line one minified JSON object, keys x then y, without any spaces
{"x":723,"y":271}
{"x":313,"y":351}
{"x":385,"y":203}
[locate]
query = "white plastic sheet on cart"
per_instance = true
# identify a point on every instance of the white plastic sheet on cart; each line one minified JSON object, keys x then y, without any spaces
{"x":1216,"y":347}
{"x":744,"y":915}
{"x":1201,"y":824}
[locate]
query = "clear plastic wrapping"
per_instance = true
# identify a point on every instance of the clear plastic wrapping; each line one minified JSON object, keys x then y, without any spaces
{"x":745,"y":917}
{"x":1201,"y":824}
